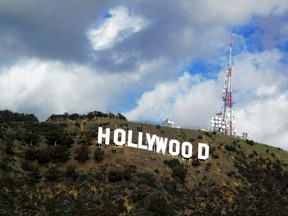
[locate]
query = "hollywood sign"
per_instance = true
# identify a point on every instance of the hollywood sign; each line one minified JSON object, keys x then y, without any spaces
{"x":152,"y":142}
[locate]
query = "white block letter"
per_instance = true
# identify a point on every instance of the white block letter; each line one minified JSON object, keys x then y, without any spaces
{"x":200,"y":151}
{"x":161,"y":144}
{"x":101,"y":135}
{"x":150,"y":141}
{"x":140,"y":141}
{"x":130,"y":143}
{"x":186,"y":150}
{"x":173,"y":143}
{"x":122,"y":134}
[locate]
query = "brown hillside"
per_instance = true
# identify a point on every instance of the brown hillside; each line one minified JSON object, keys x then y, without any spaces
{"x":56,"y":168}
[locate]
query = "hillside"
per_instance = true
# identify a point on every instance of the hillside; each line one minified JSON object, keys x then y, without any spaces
{"x":56,"y":168}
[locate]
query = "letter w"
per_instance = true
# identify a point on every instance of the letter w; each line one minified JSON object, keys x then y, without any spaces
{"x":161,"y":144}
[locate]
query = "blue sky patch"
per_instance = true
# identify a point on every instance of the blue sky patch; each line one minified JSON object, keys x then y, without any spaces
{"x":252,"y":36}
{"x":107,"y":15}
{"x":207,"y":70}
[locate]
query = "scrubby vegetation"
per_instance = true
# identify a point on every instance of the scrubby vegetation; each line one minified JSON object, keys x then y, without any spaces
{"x":56,"y":168}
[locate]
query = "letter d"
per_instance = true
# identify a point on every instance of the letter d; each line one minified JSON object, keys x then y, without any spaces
{"x":202,"y":146}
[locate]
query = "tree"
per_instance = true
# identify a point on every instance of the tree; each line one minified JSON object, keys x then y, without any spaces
{"x":82,"y":154}
{"x":58,"y":136}
{"x":178,"y":170}
{"x":99,"y":155}
{"x":32,"y":138}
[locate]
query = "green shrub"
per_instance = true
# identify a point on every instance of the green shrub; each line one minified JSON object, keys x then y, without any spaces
{"x":115,"y":176}
{"x":195,"y":162}
{"x":208,"y":166}
{"x":30,"y":154}
{"x":9,"y":145}
{"x":57,"y":136}
{"x":113,"y":151}
{"x":250,"y":142}
{"x":44,"y":156}
{"x":156,"y":171}
{"x":231,"y":173}
{"x":200,"y":136}
{"x":99,"y":155}
{"x":178,"y":170}
{"x":231,"y":148}
{"x":172,"y":163}
{"x":215,"y":155}
{"x":71,"y":171}
{"x":122,"y":117}
{"x":48,"y":154}
{"x":129,"y":171}
{"x":137,"y":196}
{"x":32,"y":138}
{"x":148,"y":179}
{"x":82,"y":154}
{"x":211,"y":149}
{"x":192,"y":139}
{"x":5,"y":167}
{"x":59,"y":153}
{"x":208,"y":134}
{"x":254,"y":152}
{"x":52,"y":174}
{"x":159,"y":206}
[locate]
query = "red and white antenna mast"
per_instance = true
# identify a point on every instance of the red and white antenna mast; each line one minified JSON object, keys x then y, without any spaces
{"x":228,"y":116}
{"x":223,"y":122}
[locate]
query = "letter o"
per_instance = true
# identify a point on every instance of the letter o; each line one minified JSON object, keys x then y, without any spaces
{"x":177,"y":147}
{"x":122,"y":134}
{"x":184,"y":153}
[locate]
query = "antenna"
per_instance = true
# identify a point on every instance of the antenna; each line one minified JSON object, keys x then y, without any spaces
{"x":224,"y":121}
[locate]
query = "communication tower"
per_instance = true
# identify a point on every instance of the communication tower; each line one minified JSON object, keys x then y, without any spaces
{"x":223,"y":122}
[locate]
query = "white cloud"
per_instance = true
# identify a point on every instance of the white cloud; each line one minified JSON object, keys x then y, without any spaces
{"x":265,"y":121}
{"x":262,"y":109}
{"x":115,"y":29}
{"x":48,"y":87}
{"x":254,"y":72}
{"x":266,"y":90}
{"x":189,"y":101}
{"x":233,"y":12}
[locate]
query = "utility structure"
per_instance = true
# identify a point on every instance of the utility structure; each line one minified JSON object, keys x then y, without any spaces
{"x":223,"y":122}
{"x":168,"y":122}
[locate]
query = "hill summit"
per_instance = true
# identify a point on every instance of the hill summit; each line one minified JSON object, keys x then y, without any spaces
{"x":57,"y":167}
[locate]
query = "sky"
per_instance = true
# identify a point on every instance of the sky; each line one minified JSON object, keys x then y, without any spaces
{"x":148,"y":60}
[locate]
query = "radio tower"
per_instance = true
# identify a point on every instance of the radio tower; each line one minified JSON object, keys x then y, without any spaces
{"x":224,"y":121}
{"x":228,"y":116}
